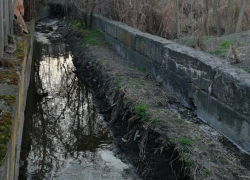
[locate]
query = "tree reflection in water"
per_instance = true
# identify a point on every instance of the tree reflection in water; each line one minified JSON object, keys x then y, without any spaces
{"x":61,"y":122}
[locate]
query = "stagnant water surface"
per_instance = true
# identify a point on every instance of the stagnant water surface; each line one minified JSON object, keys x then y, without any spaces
{"x":64,"y":137}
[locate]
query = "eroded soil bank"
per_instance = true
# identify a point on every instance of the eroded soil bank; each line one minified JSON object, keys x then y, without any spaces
{"x":160,"y":137}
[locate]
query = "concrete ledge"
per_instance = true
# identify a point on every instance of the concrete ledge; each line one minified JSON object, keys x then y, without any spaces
{"x":219,"y":91}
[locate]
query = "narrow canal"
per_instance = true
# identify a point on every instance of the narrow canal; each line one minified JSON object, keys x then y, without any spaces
{"x":64,"y":136}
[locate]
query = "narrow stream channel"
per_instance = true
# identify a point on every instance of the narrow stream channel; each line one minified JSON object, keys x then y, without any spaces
{"x":64,"y":137}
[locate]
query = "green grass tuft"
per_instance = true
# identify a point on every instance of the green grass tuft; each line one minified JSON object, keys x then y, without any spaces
{"x":141,"y":111}
{"x":226,"y":43}
{"x":5,"y":130}
{"x":91,"y":37}
{"x":9,"y":99}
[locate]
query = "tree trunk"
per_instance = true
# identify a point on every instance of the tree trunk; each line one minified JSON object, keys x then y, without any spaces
{"x":240,"y":17}
{"x":216,"y":17}
{"x":176,"y":5}
{"x":230,"y":6}
{"x":206,"y":29}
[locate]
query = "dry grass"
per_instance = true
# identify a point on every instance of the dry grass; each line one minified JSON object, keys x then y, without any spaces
{"x":157,"y":16}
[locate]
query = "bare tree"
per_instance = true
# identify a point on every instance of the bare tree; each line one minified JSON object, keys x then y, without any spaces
{"x":240,"y":16}
{"x":216,"y":17}
{"x":206,"y":17}
{"x":176,"y":5}
{"x":230,"y":6}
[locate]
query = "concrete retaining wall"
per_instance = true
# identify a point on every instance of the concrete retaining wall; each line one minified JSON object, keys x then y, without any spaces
{"x":6,"y":23}
{"x":10,"y":167}
{"x":218,"y":91}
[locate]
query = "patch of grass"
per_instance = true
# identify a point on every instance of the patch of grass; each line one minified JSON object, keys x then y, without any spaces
{"x":205,"y":173}
{"x":226,"y":43}
{"x":247,"y":70}
{"x":91,"y":37}
{"x":176,"y":118}
{"x":242,"y":43}
{"x":223,"y":47}
{"x":156,"y":120}
{"x":185,"y":141}
{"x":20,"y":48}
{"x":205,"y":38}
{"x":141,"y":111}
{"x":218,"y":51}
{"x":135,"y":83}
{"x":20,"y":53}
{"x":187,"y":42}
{"x":97,"y":63}
{"x":142,"y":70}
{"x":76,"y":24}
{"x":9,"y":77}
{"x":5,"y":130}
{"x":9,"y":99}
{"x":157,"y":110}
{"x":117,"y":82}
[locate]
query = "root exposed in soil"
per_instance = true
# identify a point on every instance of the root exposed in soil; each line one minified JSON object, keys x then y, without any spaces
{"x":155,"y":139}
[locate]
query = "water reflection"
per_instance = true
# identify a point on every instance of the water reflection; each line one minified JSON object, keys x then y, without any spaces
{"x":61,"y":123}
{"x":64,"y":137}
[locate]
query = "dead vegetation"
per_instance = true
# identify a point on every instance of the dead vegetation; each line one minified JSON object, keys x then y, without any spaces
{"x":188,"y":22}
{"x":158,"y":17}
{"x":135,"y":93}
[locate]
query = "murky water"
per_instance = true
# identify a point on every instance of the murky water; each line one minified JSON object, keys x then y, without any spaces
{"x":64,"y":137}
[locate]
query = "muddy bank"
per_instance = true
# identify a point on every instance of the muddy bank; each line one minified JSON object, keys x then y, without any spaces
{"x":168,"y":143}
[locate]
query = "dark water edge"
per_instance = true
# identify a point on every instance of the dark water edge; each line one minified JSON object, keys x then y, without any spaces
{"x":64,"y":136}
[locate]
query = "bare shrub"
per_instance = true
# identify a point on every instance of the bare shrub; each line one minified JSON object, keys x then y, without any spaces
{"x":158,"y":17}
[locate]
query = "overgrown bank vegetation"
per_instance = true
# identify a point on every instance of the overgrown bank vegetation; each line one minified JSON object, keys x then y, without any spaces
{"x":141,"y":108}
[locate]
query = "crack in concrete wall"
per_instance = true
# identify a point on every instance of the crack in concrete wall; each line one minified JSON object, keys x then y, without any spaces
{"x":217,"y":91}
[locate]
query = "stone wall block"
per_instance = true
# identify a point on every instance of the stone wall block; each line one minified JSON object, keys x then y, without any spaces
{"x":99,"y":22}
{"x":110,"y":28}
{"x":229,"y":122}
{"x":196,"y":67}
{"x":151,"y":46}
{"x":232,"y":87}
{"x":127,"y":35}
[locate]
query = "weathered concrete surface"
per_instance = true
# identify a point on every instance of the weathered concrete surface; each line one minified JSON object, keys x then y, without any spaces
{"x":219,"y":92}
{"x":1,"y":30}
{"x":11,"y":165}
{"x":6,"y":23}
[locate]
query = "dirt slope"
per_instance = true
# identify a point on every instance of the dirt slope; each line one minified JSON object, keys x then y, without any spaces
{"x":162,"y":138}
